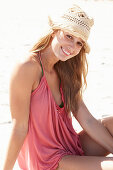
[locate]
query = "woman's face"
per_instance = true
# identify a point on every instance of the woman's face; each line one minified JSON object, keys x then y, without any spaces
{"x":65,"y":46}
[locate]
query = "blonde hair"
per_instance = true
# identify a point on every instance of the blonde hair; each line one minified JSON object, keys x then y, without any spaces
{"x":73,"y":74}
{"x":73,"y":79}
{"x":42,"y":42}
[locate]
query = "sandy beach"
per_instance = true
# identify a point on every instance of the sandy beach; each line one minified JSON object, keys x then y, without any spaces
{"x":18,"y":33}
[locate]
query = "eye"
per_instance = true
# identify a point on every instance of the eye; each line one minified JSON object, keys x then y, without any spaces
{"x":69,"y":36}
{"x":80,"y":43}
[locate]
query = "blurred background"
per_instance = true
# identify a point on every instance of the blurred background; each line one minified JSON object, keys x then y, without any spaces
{"x":22,"y":22}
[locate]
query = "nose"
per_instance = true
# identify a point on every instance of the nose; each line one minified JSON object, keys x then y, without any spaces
{"x":74,"y":46}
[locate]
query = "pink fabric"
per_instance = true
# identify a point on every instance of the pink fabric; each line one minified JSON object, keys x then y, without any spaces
{"x":50,"y":135}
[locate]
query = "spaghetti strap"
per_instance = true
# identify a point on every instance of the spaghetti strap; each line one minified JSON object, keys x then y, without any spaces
{"x":39,"y":54}
{"x":41,"y":63}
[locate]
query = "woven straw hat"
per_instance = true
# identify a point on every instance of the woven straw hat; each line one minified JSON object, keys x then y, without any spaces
{"x":76,"y":22}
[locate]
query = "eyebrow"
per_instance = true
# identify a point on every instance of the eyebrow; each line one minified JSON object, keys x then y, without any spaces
{"x":82,"y":41}
{"x":73,"y":35}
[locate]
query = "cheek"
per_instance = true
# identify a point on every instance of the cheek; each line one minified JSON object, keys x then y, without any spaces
{"x":55,"y":45}
{"x":57,"y":42}
{"x":77,"y":50}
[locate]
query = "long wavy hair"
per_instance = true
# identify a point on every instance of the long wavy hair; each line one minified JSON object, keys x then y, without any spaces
{"x":72,"y":74}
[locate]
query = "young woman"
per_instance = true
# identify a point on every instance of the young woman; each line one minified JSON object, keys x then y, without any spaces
{"x":44,"y":91}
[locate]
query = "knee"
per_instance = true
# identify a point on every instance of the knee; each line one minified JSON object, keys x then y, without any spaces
{"x":107,"y":121}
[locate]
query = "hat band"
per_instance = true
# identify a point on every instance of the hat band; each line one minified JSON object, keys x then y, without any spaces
{"x":76,"y":20}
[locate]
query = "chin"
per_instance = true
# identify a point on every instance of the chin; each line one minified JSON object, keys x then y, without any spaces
{"x":64,"y":59}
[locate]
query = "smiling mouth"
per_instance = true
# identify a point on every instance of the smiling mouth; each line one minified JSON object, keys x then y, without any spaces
{"x":67,"y":53}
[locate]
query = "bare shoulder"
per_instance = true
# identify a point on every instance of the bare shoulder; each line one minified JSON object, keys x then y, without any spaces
{"x":27,"y":72}
{"x":21,"y":85}
{"x":26,"y":68}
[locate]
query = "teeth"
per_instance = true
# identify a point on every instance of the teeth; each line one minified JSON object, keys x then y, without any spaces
{"x":66,"y":52}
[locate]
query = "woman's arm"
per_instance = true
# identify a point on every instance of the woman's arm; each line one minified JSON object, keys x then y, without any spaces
{"x":94,"y":128}
{"x":20,"y":93}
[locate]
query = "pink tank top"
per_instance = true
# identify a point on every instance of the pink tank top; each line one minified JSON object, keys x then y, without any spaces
{"x":50,"y":134}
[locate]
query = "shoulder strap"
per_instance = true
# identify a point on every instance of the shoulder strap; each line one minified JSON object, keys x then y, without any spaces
{"x":41,"y":63}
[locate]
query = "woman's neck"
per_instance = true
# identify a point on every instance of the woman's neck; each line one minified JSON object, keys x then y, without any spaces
{"x":48,"y":59}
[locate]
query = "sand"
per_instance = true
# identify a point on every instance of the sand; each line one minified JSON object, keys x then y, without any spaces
{"x":14,"y":41}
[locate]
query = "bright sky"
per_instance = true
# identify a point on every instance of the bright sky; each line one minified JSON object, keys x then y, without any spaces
{"x":24,"y":8}
{"x":13,"y":13}
{"x":18,"y":15}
